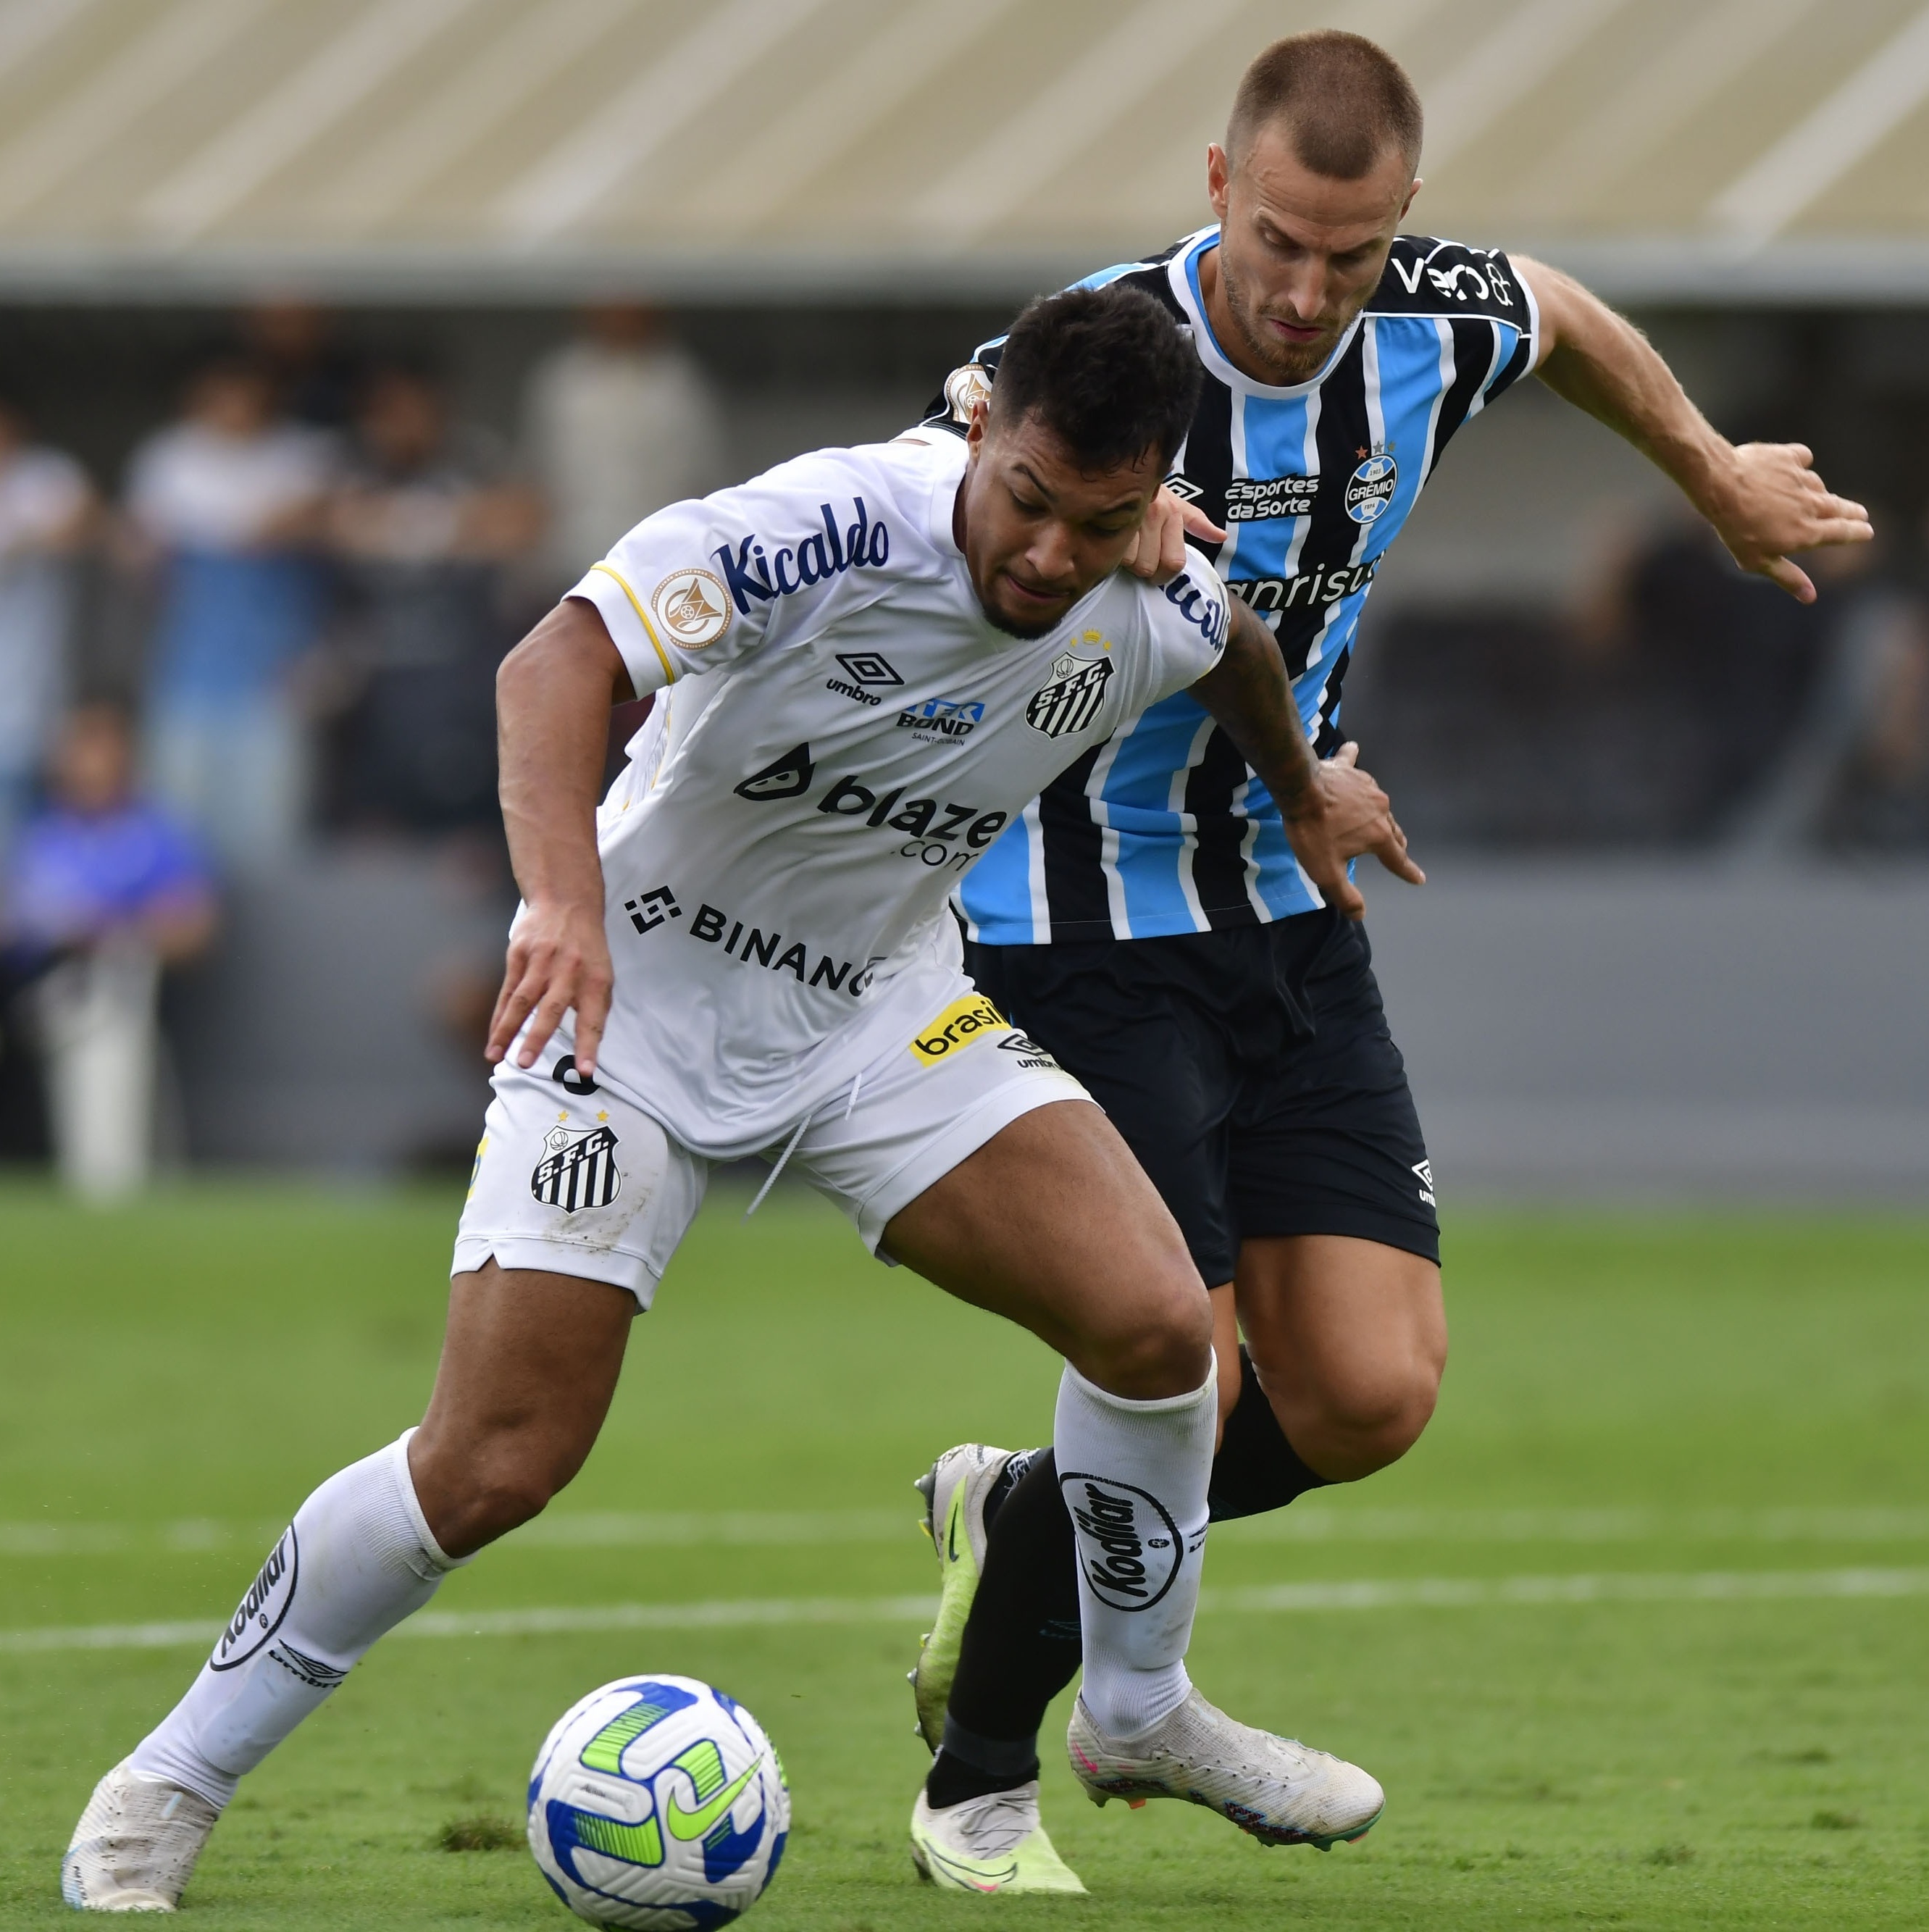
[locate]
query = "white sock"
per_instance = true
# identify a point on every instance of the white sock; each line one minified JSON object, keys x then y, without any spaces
{"x":357,"y":1559}
{"x":1134,"y":1476}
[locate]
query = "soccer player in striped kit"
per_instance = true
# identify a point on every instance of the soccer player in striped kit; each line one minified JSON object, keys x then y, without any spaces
{"x":1146,"y":922}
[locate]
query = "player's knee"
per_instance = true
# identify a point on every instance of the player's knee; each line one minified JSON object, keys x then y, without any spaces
{"x":1166,"y":1350}
{"x":1361,"y":1426}
{"x":501,"y":1485}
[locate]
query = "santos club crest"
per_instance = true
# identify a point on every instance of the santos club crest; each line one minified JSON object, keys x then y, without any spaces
{"x":578,"y":1169}
{"x":1073,"y":697}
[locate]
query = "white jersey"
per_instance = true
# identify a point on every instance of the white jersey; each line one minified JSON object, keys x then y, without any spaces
{"x":842,"y":735}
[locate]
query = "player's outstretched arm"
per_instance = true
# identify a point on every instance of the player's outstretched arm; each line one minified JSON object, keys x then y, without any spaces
{"x":554,"y":695}
{"x":1764,"y":499}
{"x":1334,"y":812}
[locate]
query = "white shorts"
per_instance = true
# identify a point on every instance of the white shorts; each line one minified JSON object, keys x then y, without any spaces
{"x":580,"y":1183}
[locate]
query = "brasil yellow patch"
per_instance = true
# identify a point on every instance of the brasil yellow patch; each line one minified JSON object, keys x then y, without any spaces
{"x":954,"y":1029}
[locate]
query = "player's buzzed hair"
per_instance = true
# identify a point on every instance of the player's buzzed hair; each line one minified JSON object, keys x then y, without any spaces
{"x":1343,"y":100}
{"x":1106,"y":370}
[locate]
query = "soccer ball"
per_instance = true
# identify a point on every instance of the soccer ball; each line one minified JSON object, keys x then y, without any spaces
{"x":658,"y":1802}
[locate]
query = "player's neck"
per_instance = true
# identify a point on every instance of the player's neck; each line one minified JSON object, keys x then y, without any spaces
{"x":1219,"y":318}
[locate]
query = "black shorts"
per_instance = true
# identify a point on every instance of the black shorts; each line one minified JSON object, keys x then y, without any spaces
{"x":1250,"y":1069}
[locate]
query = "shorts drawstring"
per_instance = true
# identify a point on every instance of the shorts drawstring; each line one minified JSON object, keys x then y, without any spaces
{"x":790,"y":1145}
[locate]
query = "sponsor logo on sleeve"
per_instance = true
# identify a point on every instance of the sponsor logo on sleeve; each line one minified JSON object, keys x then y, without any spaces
{"x":962,"y":1024}
{"x":1129,"y":1549}
{"x":578,"y":1168}
{"x":693,"y":608}
{"x":1480,"y":277}
{"x":1207,"y":615}
{"x":1424,"y":1169}
{"x":261,"y":1612}
{"x":752,"y":575}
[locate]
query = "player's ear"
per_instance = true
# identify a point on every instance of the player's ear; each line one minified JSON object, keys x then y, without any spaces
{"x":1418,"y":183}
{"x":1219,"y":172}
{"x":979,"y":426}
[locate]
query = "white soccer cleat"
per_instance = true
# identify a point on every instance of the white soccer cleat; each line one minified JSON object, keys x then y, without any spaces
{"x":1281,"y":1791}
{"x":135,"y":1846}
{"x":992,"y":1844}
{"x":954,"y":1489}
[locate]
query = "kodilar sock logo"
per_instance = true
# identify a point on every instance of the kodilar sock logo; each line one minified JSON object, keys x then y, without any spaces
{"x":260,"y":1612}
{"x":1129,"y":1549}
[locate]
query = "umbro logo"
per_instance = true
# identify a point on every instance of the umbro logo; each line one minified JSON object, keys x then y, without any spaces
{"x":1424,"y":1169}
{"x":1184,"y":488}
{"x":862,"y":668}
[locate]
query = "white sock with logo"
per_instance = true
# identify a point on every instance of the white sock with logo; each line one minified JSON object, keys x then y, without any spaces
{"x":1134,"y":1476}
{"x":357,"y":1559}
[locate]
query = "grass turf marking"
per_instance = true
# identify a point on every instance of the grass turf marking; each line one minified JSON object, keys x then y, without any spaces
{"x":1705,"y":1586}
{"x":615,"y":1529}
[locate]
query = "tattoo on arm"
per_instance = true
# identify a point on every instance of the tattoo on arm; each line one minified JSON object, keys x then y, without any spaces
{"x":1249,"y":693}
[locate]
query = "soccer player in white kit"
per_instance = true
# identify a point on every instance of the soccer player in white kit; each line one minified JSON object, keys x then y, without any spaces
{"x":868,"y":660}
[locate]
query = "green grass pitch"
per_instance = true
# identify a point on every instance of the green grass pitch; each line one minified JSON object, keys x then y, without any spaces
{"x":1745,"y":1401}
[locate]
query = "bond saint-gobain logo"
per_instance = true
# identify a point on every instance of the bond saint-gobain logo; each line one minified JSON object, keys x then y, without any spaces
{"x":1076,"y":693}
{"x":1129,"y":1548}
{"x":578,"y":1168}
{"x":260,"y":1613}
{"x":1370,"y":487}
{"x":693,"y":606}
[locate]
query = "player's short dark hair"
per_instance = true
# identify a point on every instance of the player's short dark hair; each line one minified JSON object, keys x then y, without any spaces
{"x":1344,"y":101}
{"x":1106,"y":370}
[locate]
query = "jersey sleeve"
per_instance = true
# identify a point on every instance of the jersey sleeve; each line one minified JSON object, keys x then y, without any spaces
{"x":1480,"y":292}
{"x":704,"y":583}
{"x":1189,"y":618}
{"x":951,"y":408}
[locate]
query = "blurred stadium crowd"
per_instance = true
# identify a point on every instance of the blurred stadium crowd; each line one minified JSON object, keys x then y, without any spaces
{"x":263,"y":629}
{"x":279,"y":626}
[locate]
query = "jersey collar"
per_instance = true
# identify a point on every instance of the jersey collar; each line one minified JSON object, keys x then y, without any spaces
{"x":948,"y":469}
{"x":1183,"y":272}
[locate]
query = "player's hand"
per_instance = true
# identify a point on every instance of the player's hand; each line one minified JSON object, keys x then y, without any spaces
{"x":1159,"y":547}
{"x":1346,"y":816}
{"x":559,"y":958}
{"x":1771,"y":502}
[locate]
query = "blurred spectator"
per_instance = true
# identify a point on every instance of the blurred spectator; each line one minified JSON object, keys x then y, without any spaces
{"x":1856,"y":770}
{"x":227,"y":502}
{"x":314,"y":375}
{"x":104,"y":888}
{"x":427,"y":519}
{"x":620,"y":421}
{"x":47,"y":505}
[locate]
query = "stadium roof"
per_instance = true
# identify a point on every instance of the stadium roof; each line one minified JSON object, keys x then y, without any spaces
{"x":1670,"y":149}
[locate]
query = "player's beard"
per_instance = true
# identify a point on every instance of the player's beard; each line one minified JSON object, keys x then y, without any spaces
{"x":1286,"y":363}
{"x":1019,"y":627}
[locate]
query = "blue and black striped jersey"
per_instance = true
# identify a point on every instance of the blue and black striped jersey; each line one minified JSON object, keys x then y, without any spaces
{"x":1162,"y":828}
